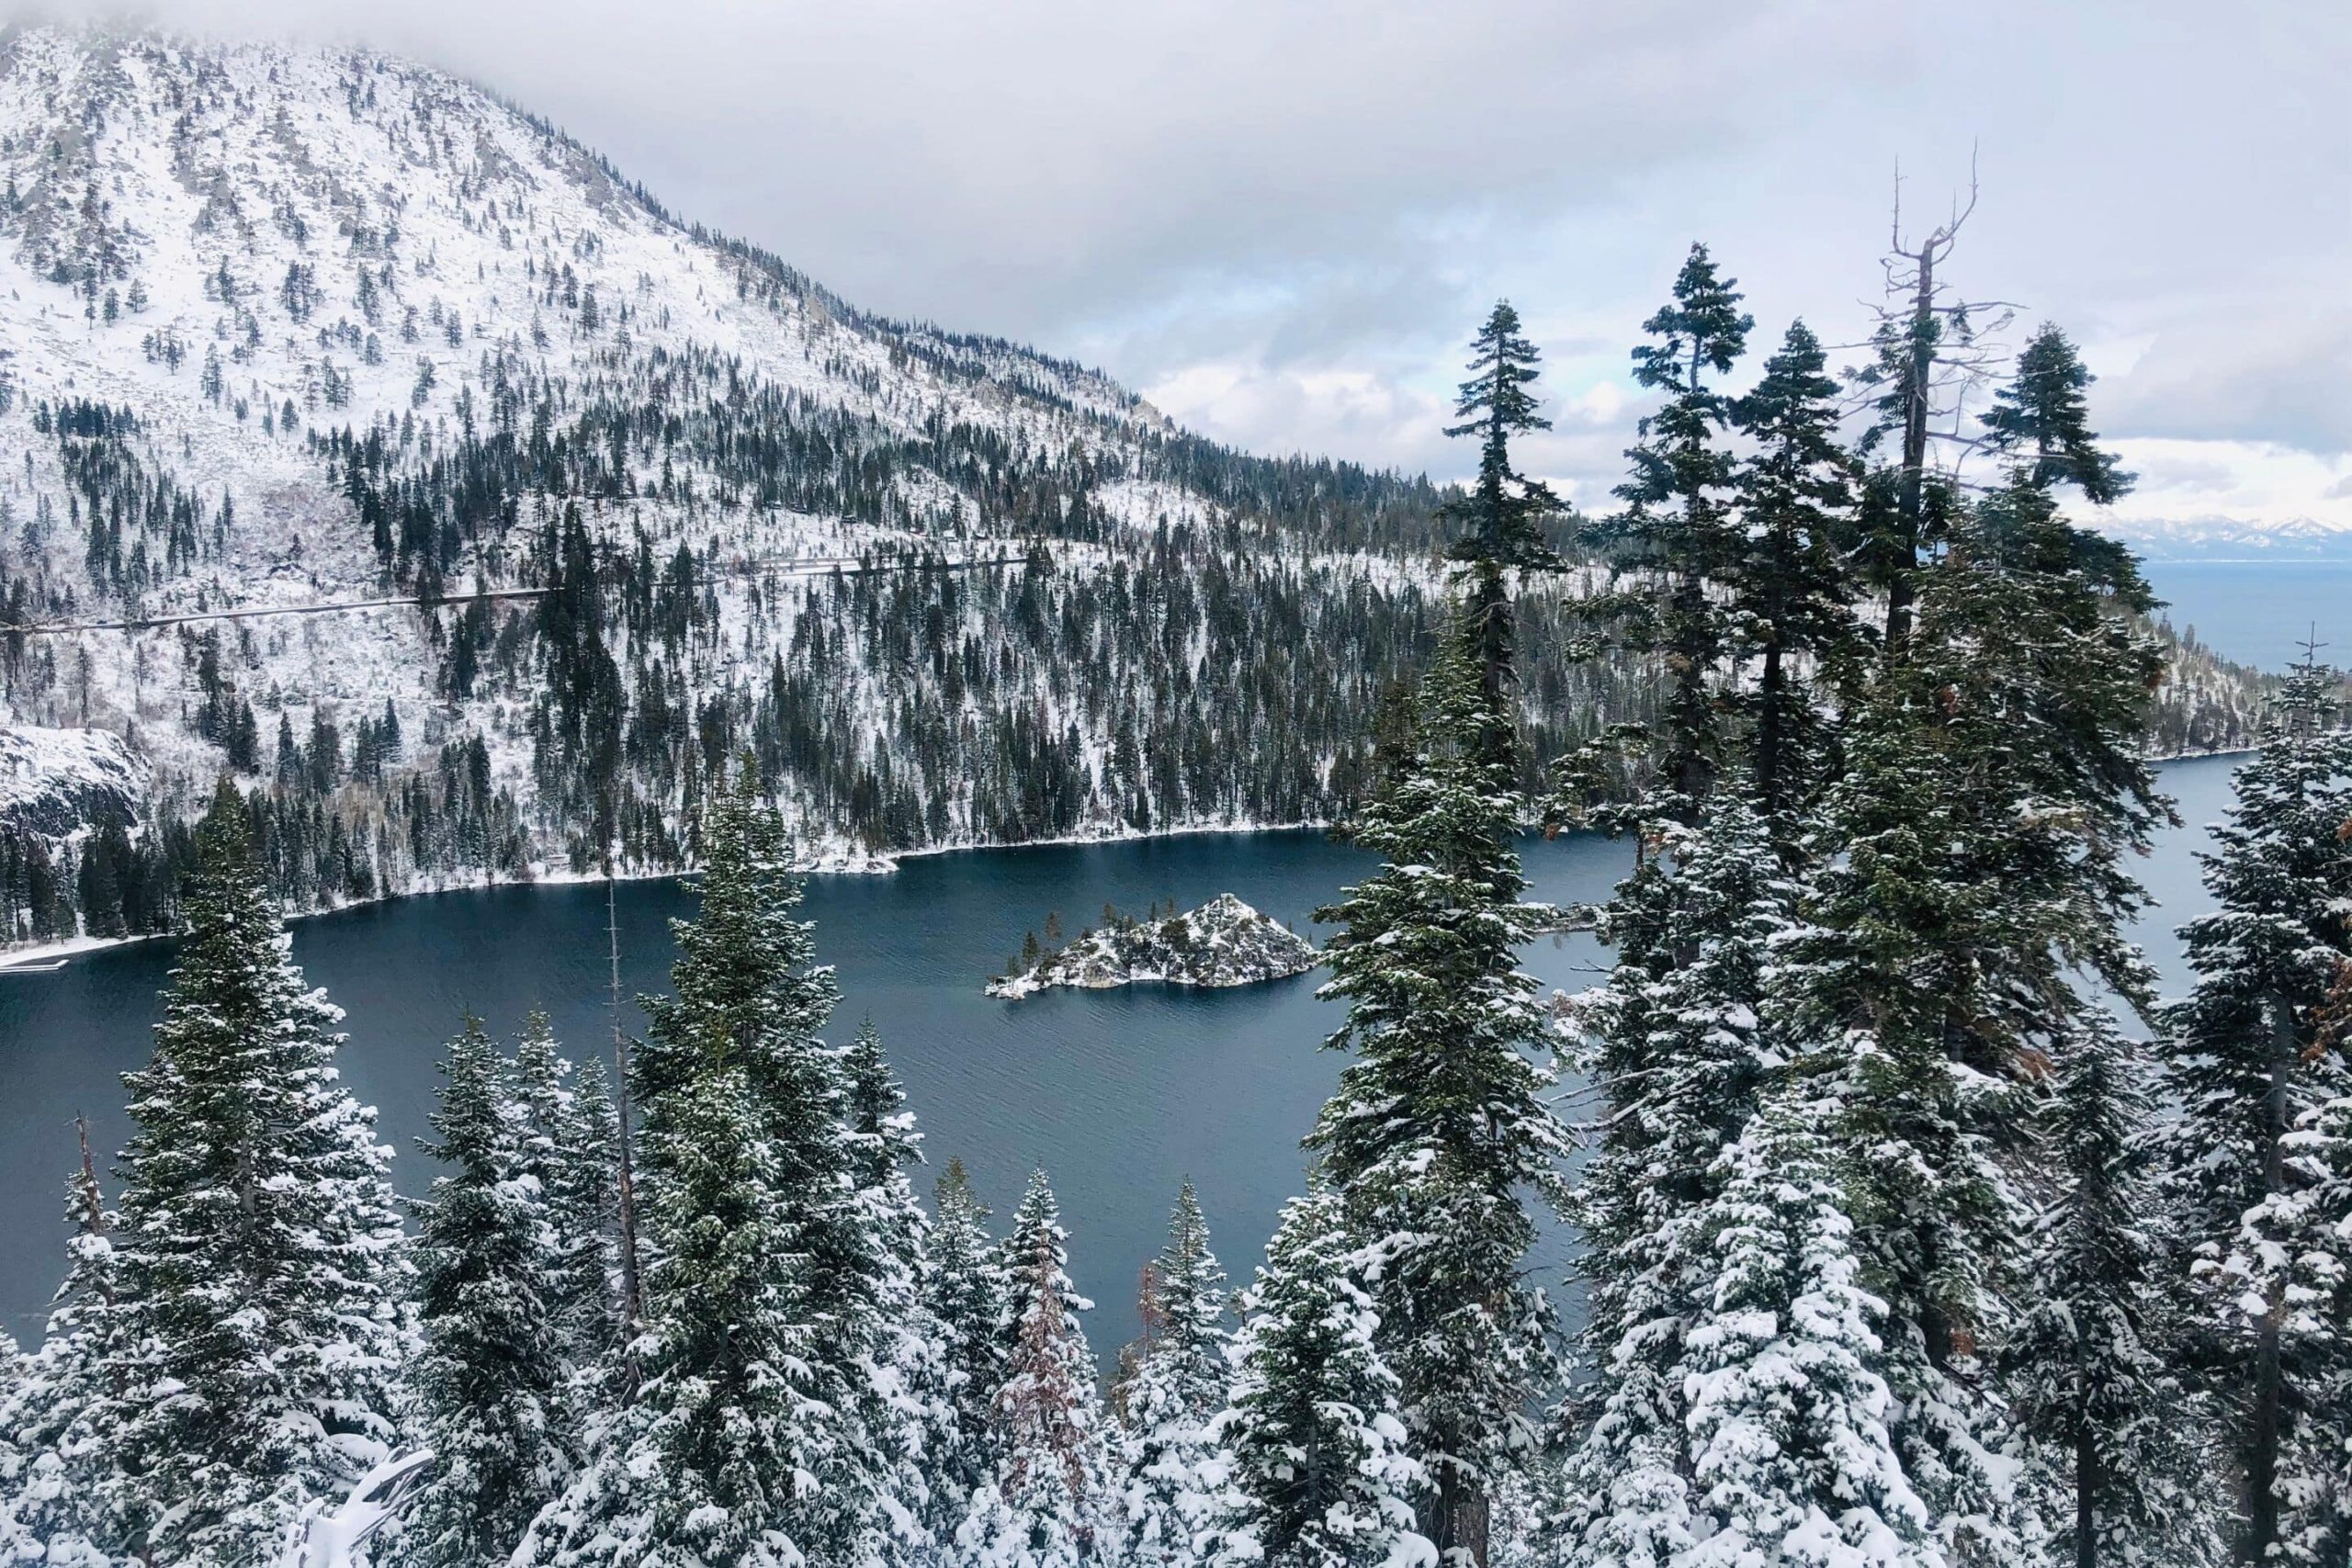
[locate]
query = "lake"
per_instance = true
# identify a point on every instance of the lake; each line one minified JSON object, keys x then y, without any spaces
{"x":1118,"y":1094}
{"x":2259,"y":612}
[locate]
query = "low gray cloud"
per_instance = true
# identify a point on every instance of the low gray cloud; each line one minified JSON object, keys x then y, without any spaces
{"x":1297,"y":209}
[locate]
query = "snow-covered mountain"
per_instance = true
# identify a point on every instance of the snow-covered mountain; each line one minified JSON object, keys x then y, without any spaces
{"x":2226,"y":538}
{"x":287,"y":327}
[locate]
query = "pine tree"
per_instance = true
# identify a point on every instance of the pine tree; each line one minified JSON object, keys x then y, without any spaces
{"x":1502,"y":515}
{"x":61,"y":1410}
{"x":1322,"y":1474}
{"x":1792,"y":581}
{"x":490,"y":1383}
{"x":1052,"y":1502}
{"x":2042,"y":415}
{"x":1680,"y":524}
{"x":1793,"y":1460}
{"x":1680,"y":1052}
{"x":1177,"y":1385}
{"x":259,"y":1252}
{"x":2251,"y":1055}
{"x":2088,"y":1366}
{"x":910,"y":1393}
{"x":751,"y":1437}
{"x":568,"y":1149}
{"x":2312,"y":1222}
{"x":1439,"y":1126}
{"x":967,"y":1292}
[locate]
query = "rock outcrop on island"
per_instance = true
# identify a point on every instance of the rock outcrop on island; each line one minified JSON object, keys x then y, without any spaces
{"x":1223,"y":943}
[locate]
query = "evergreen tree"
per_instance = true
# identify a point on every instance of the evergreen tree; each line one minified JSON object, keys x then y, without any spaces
{"x":2043,"y":417}
{"x":1439,"y":1126}
{"x":1680,"y":524}
{"x":1794,"y":589}
{"x":910,"y":1394}
{"x":2088,"y":1366}
{"x":1177,"y":1386}
{"x":259,"y":1254}
{"x":60,"y":1410}
{"x":2252,"y":1055}
{"x":1321,"y":1473}
{"x":967,"y":1292}
{"x":1793,"y":1460}
{"x":1052,"y":1502}
{"x":1502,"y":515}
{"x":1680,"y":1052}
{"x":569,"y":1148}
{"x":2312,"y":1222}
{"x":490,"y":1383}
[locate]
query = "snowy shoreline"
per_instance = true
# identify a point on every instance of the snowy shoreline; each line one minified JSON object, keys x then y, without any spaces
{"x":38,"y":958}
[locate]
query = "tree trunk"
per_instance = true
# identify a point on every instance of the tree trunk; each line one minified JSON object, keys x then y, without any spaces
{"x":1911,"y":500}
{"x":2088,"y":1483}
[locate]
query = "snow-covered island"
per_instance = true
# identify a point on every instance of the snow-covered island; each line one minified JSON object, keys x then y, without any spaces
{"x":1223,"y":943}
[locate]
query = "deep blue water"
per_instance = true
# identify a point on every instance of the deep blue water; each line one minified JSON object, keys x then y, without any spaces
{"x":2259,"y":612}
{"x":1118,"y":1094}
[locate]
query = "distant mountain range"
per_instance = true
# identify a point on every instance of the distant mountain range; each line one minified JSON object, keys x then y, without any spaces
{"x":2224,"y":538}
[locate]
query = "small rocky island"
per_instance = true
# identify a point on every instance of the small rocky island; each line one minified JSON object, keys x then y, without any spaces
{"x":1223,"y":943}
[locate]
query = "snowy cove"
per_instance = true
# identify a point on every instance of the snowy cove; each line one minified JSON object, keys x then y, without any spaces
{"x":1120,"y":1093}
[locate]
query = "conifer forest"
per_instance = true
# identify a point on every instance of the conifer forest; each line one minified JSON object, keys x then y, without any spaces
{"x":396,"y":499}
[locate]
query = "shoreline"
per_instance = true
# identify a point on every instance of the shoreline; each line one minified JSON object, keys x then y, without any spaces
{"x":46,"y":957}
{"x":38,"y":958}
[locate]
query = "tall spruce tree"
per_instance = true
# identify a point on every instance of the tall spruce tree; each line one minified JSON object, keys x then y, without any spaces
{"x":2252,"y":1053}
{"x":2089,"y":1365}
{"x":1440,"y":1127}
{"x":1052,"y":1502}
{"x":1319,"y":1472}
{"x":967,"y":1292}
{"x":60,"y":1410}
{"x":569,"y":1148}
{"x":750,"y":1439}
{"x":1679,"y":525}
{"x":1177,"y":1387}
{"x":2042,"y":418}
{"x":1790,"y":578}
{"x":260,"y":1262}
{"x":1792,"y":1458}
{"x":1502,"y":515}
{"x":490,"y":1383}
{"x":1679,"y":1053}
{"x":910,"y":1394}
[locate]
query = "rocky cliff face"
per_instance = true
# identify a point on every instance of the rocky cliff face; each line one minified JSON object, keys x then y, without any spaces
{"x":55,"y":782}
{"x":1223,"y":943}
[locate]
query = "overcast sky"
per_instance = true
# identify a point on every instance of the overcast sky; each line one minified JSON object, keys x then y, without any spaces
{"x":1278,"y":221}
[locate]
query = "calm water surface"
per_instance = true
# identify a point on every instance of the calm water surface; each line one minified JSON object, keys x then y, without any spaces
{"x":1118,"y":1094}
{"x":2259,"y":612}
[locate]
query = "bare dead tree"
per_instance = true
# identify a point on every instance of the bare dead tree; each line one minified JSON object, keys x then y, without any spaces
{"x":1931,"y":348}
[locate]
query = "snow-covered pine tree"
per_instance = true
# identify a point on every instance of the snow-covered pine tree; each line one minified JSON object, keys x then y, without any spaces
{"x":746,"y":974}
{"x":1052,"y":1501}
{"x":967,"y":1292}
{"x":261,"y":1267}
{"x":1438,"y":1127}
{"x":910,"y":1393}
{"x":2088,"y":1367}
{"x":2312,"y":1223}
{"x":2041,"y":417}
{"x":569,"y":1148}
{"x":1680,"y":524}
{"x":1792,"y":1460}
{"x":1501,"y":515}
{"x":711,"y":1462}
{"x":1677,"y":1052}
{"x":1177,"y":1386}
{"x":1891,"y":967}
{"x":489,"y":1385}
{"x":1791,"y":580}
{"x":2251,"y":1054}
{"x":60,"y":1408}
{"x":1318,"y":1470}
